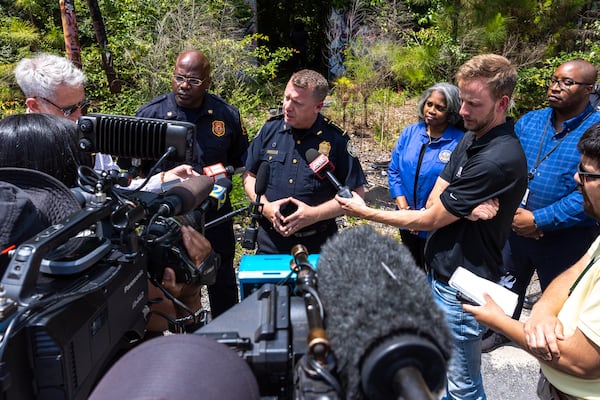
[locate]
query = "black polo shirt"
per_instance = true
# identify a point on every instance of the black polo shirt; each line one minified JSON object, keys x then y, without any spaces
{"x":479,"y":170}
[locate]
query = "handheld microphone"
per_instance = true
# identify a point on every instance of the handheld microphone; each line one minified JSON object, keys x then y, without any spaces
{"x":184,"y":196}
{"x":218,"y":196}
{"x":385,"y":329}
{"x":260,"y":188}
{"x":218,"y":171}
{"x":319,"y":164}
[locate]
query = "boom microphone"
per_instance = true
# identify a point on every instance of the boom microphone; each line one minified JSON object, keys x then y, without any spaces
{"x":184,"y":196}
{"x":389,"y":336}
{"x":260,"y":188}
{"x":319,"y":164}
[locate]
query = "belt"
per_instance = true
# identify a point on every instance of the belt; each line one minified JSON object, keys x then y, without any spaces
{"x":313,"y":231}
{"x":435,"y":275}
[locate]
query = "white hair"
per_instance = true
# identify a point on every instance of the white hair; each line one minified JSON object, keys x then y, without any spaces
{"x":39,"y":76}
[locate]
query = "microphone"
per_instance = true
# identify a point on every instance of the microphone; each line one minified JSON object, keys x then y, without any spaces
{"x":385,"y":329}
{"x":218,"y":171}
{"x":260,"y":188}
{"x":218,"y":196}
{"x":184,"y":196}
{"x":319,"y":164}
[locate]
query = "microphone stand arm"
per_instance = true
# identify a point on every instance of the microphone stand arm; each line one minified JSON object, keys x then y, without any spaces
{"x":225,"y":217}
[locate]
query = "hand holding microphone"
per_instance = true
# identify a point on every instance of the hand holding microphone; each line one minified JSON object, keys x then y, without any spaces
{"x":319,"y":163}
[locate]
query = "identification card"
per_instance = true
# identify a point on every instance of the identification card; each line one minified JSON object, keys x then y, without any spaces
{"x":525,"y":197}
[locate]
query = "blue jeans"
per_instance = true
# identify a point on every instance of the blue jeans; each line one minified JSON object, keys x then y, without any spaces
{"x":464,"y":379}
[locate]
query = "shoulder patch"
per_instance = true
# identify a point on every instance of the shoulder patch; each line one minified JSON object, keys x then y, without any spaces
{"x":338,"y":128}
{"x":351,"y":149}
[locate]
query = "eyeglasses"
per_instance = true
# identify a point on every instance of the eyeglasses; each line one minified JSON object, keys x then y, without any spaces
{"x":565,"y":84}
{"x":68,"y":110}
{"x":190,"y":81}
{"x":583,"y":176}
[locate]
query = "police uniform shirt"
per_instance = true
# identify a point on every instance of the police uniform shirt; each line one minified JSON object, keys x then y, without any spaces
{"x":220,"y":135}
{"x":284,"y":148}
{"x":491,"y":166}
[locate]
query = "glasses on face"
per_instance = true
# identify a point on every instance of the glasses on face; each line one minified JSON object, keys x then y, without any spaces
{"x":585,"y":176}
{"x":190,"y":81}
{"x":565,"y":84}
{"x":68,"y":110}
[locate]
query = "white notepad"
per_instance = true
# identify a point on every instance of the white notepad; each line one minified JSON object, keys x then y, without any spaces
{"x":473,"y":287}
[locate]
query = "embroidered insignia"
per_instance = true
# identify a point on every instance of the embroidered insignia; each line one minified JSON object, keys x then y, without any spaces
{"x":351,"y":150}
{"x":444,"y":156}
{"x":218,"y":128}
{"x":325,"y":148}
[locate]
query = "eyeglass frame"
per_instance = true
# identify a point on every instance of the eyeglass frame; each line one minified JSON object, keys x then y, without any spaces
{"x":583,"y":175}
{"x":564,"y":86}
{"x":68,"y":110}
{"x":180,"y":79}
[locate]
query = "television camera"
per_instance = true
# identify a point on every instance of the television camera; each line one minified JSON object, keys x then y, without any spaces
{"x":278,"y":330}
{"x":75,"y":295}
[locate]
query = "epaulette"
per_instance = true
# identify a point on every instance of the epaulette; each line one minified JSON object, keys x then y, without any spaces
{"x":338,"y":128}
{"x":274,"y":117}
{"x":155,"y":100}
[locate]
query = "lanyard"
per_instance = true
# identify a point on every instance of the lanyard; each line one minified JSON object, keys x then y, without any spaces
{"x":539,"y":159}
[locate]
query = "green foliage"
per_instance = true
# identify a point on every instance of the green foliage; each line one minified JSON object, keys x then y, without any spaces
{"x":144,"y":38}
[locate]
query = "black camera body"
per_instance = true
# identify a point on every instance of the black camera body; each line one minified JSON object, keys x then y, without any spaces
{"x":61,"y":331}
{"x":165,"y":247}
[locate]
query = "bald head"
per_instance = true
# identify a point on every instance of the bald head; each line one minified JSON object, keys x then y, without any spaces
{"x":570,"y":88}
{"x":191,"y":78}
{"x":587,"y":71}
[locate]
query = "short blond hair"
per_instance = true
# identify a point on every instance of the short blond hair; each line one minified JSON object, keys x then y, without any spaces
{"x":500,"y":73}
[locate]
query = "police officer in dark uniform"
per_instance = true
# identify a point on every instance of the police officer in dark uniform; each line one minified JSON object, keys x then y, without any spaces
{"x":220,"y":138}
{"x":299,"y":207}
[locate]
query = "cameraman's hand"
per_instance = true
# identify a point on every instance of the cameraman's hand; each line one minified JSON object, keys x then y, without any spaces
{"x":197,"y":246}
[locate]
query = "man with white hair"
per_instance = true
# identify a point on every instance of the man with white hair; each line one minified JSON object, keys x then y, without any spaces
{"x":54,"y":85}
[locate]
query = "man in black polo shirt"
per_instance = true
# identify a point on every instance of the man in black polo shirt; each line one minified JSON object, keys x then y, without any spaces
{"x":487,"y":167}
